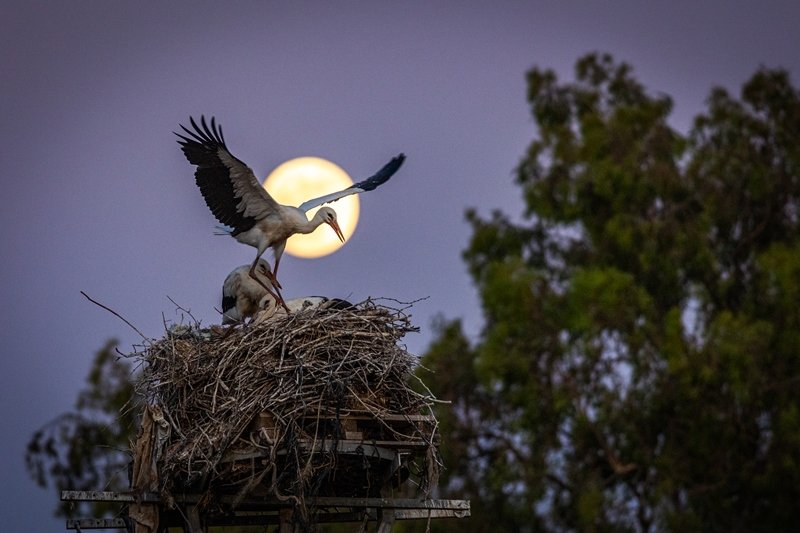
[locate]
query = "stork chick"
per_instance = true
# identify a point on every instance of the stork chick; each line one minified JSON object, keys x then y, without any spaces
{"x":243,"y":298}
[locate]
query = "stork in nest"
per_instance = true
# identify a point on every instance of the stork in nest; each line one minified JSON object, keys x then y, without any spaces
{"x":243,"y":297}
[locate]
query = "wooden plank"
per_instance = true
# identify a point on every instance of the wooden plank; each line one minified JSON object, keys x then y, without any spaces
{"x":265,"y":419}
{"x":419,"y":514}
{"x":350,"y":427}
{"x":95,"y":523}
{"x":385,"y":523}
{"x":347,"y":444}
{"x":388,"y":418}
{"x":194,"y":523}
{"x":358,"y":446}
{"x":80,"y":524}
{"x":385,"y":449}
{"x":321,"y":501}
{"x":394,"y":503}
{"x":96,"y":496}
{"x":286,"y":525}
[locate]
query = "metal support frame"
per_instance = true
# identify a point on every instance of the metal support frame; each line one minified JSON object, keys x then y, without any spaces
{"x":183,"y":509}
{"x":273,"y":511}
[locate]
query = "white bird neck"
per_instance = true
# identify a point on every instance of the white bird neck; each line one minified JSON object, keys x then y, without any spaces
{"x":308,"y":226}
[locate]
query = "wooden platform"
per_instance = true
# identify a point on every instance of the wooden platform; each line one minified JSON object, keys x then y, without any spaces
{"x":370,"y":453}
{"x":365,"y":459}
{"x":268,"y":510}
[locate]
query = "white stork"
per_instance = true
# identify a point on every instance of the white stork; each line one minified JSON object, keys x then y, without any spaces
{"x":238,"y":200}
{"x":243,"y":298}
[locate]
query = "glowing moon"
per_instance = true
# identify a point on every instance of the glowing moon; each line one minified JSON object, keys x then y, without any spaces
{"x":303,"y":178}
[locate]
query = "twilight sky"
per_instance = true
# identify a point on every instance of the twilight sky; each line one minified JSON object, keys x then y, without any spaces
{"x":98,"y":197}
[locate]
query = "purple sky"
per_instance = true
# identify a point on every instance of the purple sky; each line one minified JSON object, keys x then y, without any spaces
{"x":98,"y":197}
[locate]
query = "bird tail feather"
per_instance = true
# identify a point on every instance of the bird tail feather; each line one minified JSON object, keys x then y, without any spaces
{"x":222,"y":230}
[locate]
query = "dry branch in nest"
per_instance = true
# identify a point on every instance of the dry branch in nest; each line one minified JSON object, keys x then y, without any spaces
{"x":265,"y":409}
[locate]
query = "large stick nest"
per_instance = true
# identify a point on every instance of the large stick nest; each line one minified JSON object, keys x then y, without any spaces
{"x":302,"y":372}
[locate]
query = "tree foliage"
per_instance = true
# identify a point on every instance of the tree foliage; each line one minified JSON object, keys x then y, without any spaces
{"x":87,"y":448}
{"x":639,"y":368}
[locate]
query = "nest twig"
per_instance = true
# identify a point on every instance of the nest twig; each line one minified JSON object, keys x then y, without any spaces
{"x":301,"y":371}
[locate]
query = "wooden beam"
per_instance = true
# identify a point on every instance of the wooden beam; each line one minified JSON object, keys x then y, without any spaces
{"x":80,"y":524}
{"x":321,"y":501}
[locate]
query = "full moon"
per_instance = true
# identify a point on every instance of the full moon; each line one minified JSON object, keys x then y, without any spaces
{"x":304,"y":178}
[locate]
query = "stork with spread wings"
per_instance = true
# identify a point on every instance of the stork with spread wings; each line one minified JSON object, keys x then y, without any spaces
{"x":251,"y":215}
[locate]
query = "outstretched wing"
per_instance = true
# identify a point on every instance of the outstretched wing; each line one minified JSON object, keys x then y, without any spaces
{"x":379,"y":178}
{"x":229,"y":187}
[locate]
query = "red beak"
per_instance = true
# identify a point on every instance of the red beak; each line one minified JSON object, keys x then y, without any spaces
{"x":337,"y":229}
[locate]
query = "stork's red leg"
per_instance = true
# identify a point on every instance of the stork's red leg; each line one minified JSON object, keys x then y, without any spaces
{"x":274,"y":273}
{"x":274,"y":293}
{"x":271,"y":277}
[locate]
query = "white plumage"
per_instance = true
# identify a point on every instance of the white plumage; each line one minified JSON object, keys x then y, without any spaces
{"x":238,"y":200}
{"x":243,"y":297}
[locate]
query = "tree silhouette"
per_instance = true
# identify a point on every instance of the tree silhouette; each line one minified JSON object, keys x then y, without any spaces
{"x":640,"y":361}
{"x":88,"y":448}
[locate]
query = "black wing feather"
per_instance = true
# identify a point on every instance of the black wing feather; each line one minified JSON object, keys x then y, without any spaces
{"x":372,"y":182}
{"x":382,"y":176}
{"x":201,"y":149}
{"x":339,"y":304}
{"x":228,"y":302}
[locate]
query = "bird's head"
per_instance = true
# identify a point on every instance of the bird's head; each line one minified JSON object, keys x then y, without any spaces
{"x":263,"y":268}
{"x":329,"y":217}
